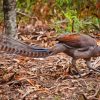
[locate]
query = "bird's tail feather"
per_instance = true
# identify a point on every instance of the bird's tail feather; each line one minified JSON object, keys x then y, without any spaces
{"x":10,"y":45}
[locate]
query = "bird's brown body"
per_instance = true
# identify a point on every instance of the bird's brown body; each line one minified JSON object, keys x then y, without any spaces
{"x":77,"y":40}
{"x":77,"y":43}
{"x":77,"y":46}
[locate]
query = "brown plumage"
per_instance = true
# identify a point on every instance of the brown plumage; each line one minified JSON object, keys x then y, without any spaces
{"x":77,"y":46}
{"x":77,"y":40}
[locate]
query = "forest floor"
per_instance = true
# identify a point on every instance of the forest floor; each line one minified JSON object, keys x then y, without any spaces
{"x":24,"y":78}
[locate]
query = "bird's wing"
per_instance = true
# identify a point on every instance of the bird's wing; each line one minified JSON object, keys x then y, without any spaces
{"x":70,"y":40}
{"x":76,"y":40}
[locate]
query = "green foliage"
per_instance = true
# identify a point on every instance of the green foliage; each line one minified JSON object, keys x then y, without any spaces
{"x":79,"y":11}
{"x":79,"y":14}
{"x":1,"y":16}
{"x":1,"y":11}
{"x":25,"y":5}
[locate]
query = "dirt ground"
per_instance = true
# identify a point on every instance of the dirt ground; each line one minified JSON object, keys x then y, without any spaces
{"x":23,"y":78}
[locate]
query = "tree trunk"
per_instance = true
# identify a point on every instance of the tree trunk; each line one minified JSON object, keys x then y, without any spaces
{"x":9,"y":8}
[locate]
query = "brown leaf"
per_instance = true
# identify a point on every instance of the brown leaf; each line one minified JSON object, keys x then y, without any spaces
{"x":8,"y":77}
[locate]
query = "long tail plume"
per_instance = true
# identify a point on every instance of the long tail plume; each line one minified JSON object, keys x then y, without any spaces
{"x":11,"y":45}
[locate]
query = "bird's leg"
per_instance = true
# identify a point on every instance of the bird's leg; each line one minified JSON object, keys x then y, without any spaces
{"x":74,"y":66}
{"x":89,"y":65}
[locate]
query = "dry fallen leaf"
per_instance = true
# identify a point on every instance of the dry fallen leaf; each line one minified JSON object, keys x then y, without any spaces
{"x":8,"y":77}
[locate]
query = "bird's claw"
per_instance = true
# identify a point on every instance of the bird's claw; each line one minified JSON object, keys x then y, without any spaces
{"x":75,"y":73}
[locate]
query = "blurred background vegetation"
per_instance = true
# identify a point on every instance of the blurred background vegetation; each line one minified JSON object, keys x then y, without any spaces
{"x":62,"y":15}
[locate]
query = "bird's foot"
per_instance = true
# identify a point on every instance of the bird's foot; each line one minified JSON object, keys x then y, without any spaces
{"x":74,"y":72}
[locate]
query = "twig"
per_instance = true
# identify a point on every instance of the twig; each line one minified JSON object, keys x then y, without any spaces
{"x":27,"y":15}
{"x":94,"y":96}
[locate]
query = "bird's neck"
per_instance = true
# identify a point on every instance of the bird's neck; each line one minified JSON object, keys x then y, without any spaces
{"x":96,"y":51}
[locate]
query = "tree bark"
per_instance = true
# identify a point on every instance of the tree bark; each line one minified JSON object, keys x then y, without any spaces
{"x":9,"y":8}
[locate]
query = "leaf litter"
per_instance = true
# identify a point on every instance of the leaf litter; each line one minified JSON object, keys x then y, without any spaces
{"x":24,"y":78}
